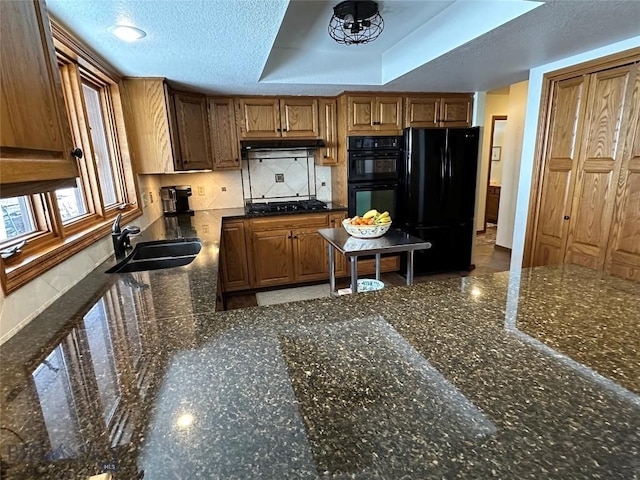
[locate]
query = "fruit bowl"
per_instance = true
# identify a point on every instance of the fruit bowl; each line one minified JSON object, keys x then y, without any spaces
{"x":365,"y":231}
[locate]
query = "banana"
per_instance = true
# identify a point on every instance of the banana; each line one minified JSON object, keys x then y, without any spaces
{"x":370,"y":213}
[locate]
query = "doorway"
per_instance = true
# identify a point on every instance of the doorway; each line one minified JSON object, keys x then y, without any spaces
{"x":494,"y":179}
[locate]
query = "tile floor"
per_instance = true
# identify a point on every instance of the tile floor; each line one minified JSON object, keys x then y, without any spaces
{"x":486,"y":258}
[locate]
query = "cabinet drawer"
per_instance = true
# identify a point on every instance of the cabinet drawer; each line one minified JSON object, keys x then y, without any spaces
{"x":290,"y":221}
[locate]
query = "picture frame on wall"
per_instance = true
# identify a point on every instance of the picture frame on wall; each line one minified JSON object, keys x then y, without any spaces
{"x":495,"y":154}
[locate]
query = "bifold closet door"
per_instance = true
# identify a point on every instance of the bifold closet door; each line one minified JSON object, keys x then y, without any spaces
{"x":564,"y":136}
{"x":623,"y":251}
{"x":606,"y":124}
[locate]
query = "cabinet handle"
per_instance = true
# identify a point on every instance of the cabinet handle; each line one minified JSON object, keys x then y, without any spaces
{"x":566,"y":217}
{"x":295,"y":236}
{"x":77,"y":152}
{"x":279,"y":129}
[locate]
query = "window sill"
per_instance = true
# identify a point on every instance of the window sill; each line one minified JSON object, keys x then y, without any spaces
{"x":18,"y":271}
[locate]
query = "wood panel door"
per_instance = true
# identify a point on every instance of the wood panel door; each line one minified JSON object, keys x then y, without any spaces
{"x":310,"y":255}
{"x":456,"y":112}
{"x":606,"y":122}
{"x":360,"y":111}
{"x":299,"y":117}
{"x":422,"y":112}
{"x":388,"y":115}
{"x":224,"y":139}
{"x":564,"y":135}
{"x":623,"y":251}
{"x":329,"y":133}
{"x":273,"y":257}
{"x":193,"y":132}
{"x":235,"y":266}
{"x":259,"y":117}
{"x":35,"y":136}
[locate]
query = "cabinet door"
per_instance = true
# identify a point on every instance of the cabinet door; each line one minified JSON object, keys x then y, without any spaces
{"x":224,"y":139}
{"x":259,"y":117}
{"x":273,"y":257}
{"x":35,"y":136}
{"x":456,"y":112}
{"x":235,"y":269}
{"x":310,"y":255}
{"x":607,"y":115}
{"x":335,"y":221}
{"x":299,"y":117}
{"x":360,"y":111}
{"x":564,"y":133}
{"x":623,"y":251}
{"x":388,"y":115}
{"x":422,"y":112}
{"x":193,"y":132}
{"x":328,"y":132}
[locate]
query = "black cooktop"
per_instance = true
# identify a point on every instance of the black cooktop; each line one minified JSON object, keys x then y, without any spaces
{"x":292,"y":206}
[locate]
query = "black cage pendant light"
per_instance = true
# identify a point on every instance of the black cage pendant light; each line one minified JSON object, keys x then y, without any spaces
{"x":355,"y":22}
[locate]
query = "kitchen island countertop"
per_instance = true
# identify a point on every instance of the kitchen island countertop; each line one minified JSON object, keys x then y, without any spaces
{"x":533,"y":374}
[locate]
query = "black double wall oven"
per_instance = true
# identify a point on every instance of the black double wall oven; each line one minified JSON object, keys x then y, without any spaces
{"x":373,"y":165}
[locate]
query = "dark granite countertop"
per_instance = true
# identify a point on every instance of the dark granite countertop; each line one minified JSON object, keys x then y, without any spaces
{"x":508,"y":376}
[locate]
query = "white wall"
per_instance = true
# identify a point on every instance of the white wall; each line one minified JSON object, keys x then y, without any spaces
{"x":494,"y":105}
{"x":530,"y":132}
{"x":511,"y":155}
{"x":24,"y":304}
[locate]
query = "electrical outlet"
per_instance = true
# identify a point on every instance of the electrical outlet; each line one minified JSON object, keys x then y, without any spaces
{"x":205,"y":228}
{"x":150,"y":197}
{"x":144,"y":199}
{"x":201,"y":190}
{"x":224,"y":189}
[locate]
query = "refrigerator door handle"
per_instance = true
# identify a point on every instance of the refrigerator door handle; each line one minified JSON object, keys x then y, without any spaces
{"x":449,"y":164}
{"x":443,"y":173}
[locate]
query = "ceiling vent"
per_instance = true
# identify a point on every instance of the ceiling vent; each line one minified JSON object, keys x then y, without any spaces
{"x":355,"y":22}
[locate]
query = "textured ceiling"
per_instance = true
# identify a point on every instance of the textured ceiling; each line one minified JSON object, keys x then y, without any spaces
{"x":282,"y":47}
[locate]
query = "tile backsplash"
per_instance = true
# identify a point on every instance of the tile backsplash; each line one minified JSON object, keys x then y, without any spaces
{"x":280,"y":175}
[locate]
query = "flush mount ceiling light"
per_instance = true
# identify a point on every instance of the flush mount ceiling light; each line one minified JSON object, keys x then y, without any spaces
{"x":127,"y":33}
{"x":355,"y":22}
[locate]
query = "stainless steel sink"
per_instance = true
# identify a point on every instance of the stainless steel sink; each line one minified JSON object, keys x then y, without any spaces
{"x":159,"y":254}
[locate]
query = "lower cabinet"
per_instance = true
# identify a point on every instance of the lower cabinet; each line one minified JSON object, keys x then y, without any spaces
{"x":234,"y":264}
{"x":283,"y":250}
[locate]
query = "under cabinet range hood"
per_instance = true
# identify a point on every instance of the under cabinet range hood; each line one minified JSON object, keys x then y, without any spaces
{"x":282,"y":143}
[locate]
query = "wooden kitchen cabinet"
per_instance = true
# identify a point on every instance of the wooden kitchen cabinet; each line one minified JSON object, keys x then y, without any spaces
{"x":272,"y":252}
{"x":374,"y":114}
{"x":224,"y":140}
{"x":164,"y":128}
{"x":268,"y":117}
{"x":328,"y":155}
{"x":493,"y":203}
{"x":35,"y":135}
{"x":427,"y":111}
{"x":234,"y":263}
{"x":342,"y":267}
{"x":310,"y":255}
{"x":193,"y":132}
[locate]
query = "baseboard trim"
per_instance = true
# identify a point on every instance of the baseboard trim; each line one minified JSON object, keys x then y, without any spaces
{"x":504,"y":249}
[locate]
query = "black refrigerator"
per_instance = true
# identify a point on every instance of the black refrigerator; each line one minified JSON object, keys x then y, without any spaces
{"x":436,"y":198}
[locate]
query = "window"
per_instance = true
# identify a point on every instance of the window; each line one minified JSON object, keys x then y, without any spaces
{"x":59,"y":224}
{"x":17,"y":218}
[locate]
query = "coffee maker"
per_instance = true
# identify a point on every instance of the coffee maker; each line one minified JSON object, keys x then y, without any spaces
{"x":175,"y":200}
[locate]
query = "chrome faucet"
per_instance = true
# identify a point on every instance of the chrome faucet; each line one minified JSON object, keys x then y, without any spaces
{"x":120,"y":237}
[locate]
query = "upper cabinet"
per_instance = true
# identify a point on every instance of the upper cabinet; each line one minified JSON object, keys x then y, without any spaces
{"x":328,"y":131}
{"x":374,"y":114}
{"x":275,"y":118}
{"x":35,"y":136}
{"x":424,"y":111}
{"x":224,"y":140}
{"x":168,"y":132}
{"x":193,"y":132}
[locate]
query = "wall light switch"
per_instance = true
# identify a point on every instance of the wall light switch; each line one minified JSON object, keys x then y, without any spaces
{"x":151,"y":197}
{"x":201,"y":190}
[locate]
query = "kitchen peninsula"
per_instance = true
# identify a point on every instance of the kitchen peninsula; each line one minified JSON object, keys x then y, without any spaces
{"x":511,"y":375}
